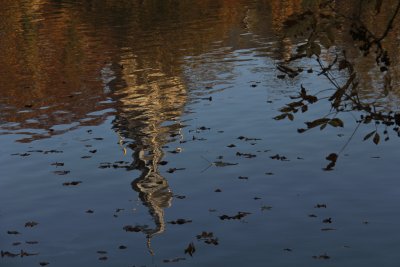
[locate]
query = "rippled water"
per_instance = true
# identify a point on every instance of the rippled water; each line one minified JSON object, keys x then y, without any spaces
{"x":162,"y":110}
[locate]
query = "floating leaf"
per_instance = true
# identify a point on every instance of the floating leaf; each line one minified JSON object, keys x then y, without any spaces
{"x":332,"y":158}
{"x":223,"y":164}
{"x":328,"y":229}
{"x":136,"y":228}
{"x":13,"y":232}
{"x":190,"y":249}
{"x":322,"y":257}
{"x":31,"y":224}
{"x":327,"y":220}
{"x":376,"y":138}
{"x":180,"y":221}
{"x":61,"y":172}
{"x":8,"y":254}
{"x":238,"y":216}
{"x":73,"y":183}
{"x":27,"y":254}
{"x":174,"y":260}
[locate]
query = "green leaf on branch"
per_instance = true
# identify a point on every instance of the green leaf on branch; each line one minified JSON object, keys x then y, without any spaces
{"x":280,"y":117}
{"x":369,"y":135}
{"x":317,"y":122}
{"x":336,"y":122}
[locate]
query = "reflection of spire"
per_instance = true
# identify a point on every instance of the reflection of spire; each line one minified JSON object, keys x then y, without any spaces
{"x":149,"y":99}
{"x":153,"y":190}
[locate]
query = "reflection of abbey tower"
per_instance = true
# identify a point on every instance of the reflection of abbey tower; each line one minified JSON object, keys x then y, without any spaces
{"x":149,"y":99}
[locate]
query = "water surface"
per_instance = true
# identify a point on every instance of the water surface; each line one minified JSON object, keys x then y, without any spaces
{"x":163,"y":110}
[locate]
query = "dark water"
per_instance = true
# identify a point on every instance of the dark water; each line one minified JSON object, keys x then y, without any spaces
{"x":139,"y":101}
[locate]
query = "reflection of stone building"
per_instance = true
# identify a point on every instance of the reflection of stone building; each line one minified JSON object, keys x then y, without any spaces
{"x":148,"y":100}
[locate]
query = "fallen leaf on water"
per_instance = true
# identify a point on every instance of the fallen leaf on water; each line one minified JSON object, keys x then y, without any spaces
{"x":327,"y":220}
{"x":8,"y":254}
{"x":57,"y":164}
{"x":73,"y":183}
{"x":89,"y":211}
{"x":231,"y":145}
{"x":208,"y":238}
{"x":322,"y":257}
{"x":32,"y":242}
{"x":180,"y":221}
{"x":61,"y":172}
{"x":246,"y":155}
{"x":173,"y":260}
{"x":318,"y":206}
{"x":264,"y":208}
{"x":101,"y":252}
{"x":328,"y":229}
{"x":122,"y":247}
{"x":43,"y":263}
{"x":190,"y":249}
{"x":223,"y":164}
{"x":203,"y":128}
{"x":16,"y":243}
{"x":248,"y":138}
{"x":172,"y":170}
{"x":31,"y":224}
{"x":103,"y":258}
{"x":136,"y":228}
{"x":243,"y":177}
{"x":27,"y":254}
{"x":52,"y":151}
{"x":13,"y":232}
{"x":332,"y":158}
{"x":238,"y":216}
{"x":176,"y":150}
{"x":287,"y":249}
{"x":278,"y":157}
